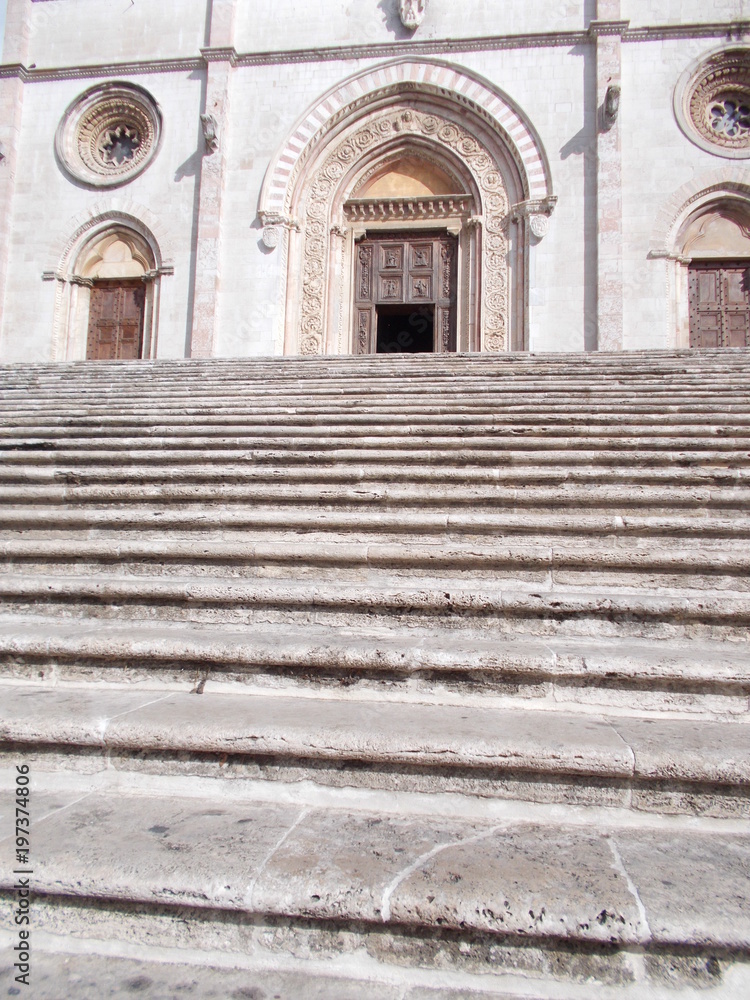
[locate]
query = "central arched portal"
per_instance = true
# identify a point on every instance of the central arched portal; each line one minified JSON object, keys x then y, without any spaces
{"x":408,"y":217}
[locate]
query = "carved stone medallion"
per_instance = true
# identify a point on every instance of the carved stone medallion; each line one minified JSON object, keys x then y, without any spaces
{"x":109,"y":134}
{"x":411,"y":13}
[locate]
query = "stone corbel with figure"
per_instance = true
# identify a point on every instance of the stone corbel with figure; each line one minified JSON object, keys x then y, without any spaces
{"x":412,"y":13}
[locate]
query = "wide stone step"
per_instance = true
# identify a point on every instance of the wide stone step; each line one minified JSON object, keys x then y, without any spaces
{"x":316,"y":442}
{"x":623,"y":500}
{"x":699,"y":474}
{"x":633,"y":763}
{"x":398,"y":662}
{"x":217,"y":521}
{"x":63,"y":971}
{"x":490,"y":429}
{"x":568,"y":901}
{"x":391,"y":409}
{"x":439,"y":398}
{"x":464,"y":419}
{"x":536,"y":610}
{"x":688,"y":566}
{"x":350,"y":458}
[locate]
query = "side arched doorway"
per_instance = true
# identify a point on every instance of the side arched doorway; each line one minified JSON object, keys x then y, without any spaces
{"x":716,"y":244}
{"x":108,"y":295}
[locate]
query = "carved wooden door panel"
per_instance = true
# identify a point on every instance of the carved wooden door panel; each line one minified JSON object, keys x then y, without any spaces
{"x":415,"y":271}
{"x":116,"y":321}
{"x":719,"y":304}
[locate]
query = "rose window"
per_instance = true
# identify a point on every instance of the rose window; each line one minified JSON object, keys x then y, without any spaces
{"x":712,"y":103}
{"x":109,"y":135}
{"x":119,"y":145}
{"x":730,"y":118}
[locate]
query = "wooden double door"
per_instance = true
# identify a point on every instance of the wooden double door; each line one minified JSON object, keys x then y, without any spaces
{"x":720,"y":304}
{"x":405,"y":293}
{"x":116,"y":313}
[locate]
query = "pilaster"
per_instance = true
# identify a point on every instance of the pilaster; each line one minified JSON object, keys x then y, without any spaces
{"x":220,"y":57}
{"x":607,"y":32}
{"x":15,"y":59}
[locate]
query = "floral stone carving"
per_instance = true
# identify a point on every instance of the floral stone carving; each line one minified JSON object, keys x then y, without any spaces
{"x":109,"y":134}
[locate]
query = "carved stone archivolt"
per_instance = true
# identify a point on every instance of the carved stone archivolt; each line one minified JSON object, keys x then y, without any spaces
{"x":326,"y":182}
{"x":109,"y":134}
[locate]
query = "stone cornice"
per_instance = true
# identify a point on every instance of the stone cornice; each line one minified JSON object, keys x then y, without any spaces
{"x":223,"y":54}
{"x":729,"y":30}
{"x":597,"y":28}
{"x":100,"y":70}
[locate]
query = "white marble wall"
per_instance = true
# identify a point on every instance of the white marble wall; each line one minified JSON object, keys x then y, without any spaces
{"x":554,"y":85}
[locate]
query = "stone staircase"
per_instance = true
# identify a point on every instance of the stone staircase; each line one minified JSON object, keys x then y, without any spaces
{"x":408,"y":678}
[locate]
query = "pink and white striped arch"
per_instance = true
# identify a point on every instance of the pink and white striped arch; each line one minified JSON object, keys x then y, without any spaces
{"x":431,"y":76}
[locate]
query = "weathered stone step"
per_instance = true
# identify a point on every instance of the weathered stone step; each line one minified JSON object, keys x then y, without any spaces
{"x":622,"y":499}
{"x":445,"y":407}
{"x":489,"y":429}
{"x":538,"y":609}
{"x":90,"y":969}
{"x":414,"y":418}
{"x":699,"y":473}
{"x":536,"y":405}
{"x":690,"y":566}
{"x":316,"y":445}
{"x":217,"y":521}
{"x":399,"y":662}
{"x":529,"y":397}
{"x":644,"y":764}
{"x":567,"y":901}
{"x":398,"y":459}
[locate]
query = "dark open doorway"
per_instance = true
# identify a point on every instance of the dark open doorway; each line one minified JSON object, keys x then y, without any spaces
{"x":405,"y":329}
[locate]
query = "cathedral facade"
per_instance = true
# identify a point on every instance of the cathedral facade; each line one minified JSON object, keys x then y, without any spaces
{"x":216,"y":178}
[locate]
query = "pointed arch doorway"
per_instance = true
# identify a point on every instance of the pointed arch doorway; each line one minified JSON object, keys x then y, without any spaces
{"x":334,"y":194}
{"x":716,"y":242}
{"x":108,"y":293}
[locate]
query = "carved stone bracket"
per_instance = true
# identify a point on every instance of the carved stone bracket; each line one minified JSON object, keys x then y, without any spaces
{"x":273,"y":223}
{"x":411,"y":13}
{"x":210,"y":133}
{"x":537,"y":213}
{"x":611,"y":107}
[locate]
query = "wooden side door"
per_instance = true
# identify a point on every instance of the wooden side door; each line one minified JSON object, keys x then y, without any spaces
{"x":736,"y":302}
{"x":116,"y":314}
{"x":719,"y":304}
{"x":406,"y":269}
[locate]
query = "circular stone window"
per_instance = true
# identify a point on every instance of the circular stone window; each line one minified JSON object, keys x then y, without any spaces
{"x":109,"y":134}
{"x":712,"y":104}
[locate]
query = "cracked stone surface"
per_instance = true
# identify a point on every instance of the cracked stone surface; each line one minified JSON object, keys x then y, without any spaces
{"x":524,"y":879}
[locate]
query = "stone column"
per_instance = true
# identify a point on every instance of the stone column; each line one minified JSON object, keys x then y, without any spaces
{"x":607,"y":31}
{"x":12,"y":73}
{"x":220,"y":57}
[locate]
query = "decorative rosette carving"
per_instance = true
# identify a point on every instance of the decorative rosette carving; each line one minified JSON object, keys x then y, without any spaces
{"x":109,"y":134}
